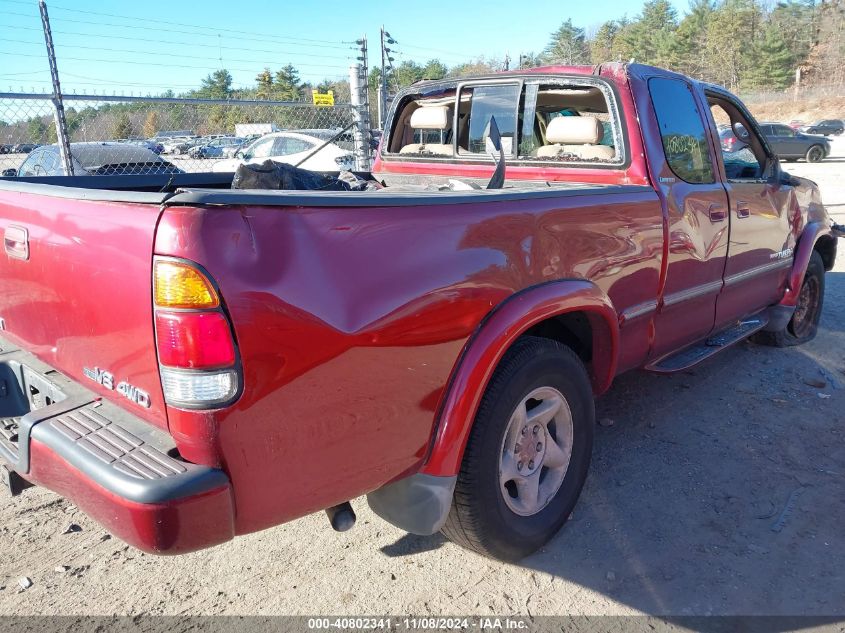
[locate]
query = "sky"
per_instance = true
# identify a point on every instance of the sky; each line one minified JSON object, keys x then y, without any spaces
{"x":147,"y":47}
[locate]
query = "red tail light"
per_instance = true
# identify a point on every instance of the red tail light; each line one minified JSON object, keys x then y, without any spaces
{"x":194,"y":340}
{"x":196,"y":347}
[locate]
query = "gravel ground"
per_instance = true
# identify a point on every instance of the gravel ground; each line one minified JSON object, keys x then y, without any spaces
{"x":714,"y":491}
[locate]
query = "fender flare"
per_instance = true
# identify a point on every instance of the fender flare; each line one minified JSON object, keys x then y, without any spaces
{"x":806,"y":244}
{"x":491,"y":340}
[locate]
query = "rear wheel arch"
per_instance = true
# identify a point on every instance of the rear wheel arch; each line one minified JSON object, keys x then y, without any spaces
{"x":573,"y":312}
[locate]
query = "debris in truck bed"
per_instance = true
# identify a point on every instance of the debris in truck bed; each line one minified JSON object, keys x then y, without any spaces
{"x":281,"y":176}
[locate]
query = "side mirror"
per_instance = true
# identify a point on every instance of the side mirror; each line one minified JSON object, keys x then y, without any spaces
{"x":9,"y":173}
{"x":779,"y":177}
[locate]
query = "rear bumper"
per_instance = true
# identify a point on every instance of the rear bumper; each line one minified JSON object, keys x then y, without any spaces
{"x":118,"y":469}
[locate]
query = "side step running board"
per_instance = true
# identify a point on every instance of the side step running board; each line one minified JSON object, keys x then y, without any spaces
{"x":702,"y":350}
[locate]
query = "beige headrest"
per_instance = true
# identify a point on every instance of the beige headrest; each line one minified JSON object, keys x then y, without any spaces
{"x":430,"y":118}
{"x":574,"y":130}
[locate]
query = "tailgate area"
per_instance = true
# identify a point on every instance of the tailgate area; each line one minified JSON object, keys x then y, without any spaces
{"x":120,"y":469}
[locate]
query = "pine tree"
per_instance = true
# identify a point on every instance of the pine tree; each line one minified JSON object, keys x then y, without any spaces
{"x":772,"y":62}
{"x":122,"y":126}
{"x":264,"y":81}
{"x":602,"y":45}
{"x":686,"y":51}
{"x":287,"y":85}
{"x":217,"y":85}
{"x":434,"y":69}
{"x":568,"y":45}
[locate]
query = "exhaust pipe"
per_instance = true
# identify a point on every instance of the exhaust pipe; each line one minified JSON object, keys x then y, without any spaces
{"x":341,"y":517}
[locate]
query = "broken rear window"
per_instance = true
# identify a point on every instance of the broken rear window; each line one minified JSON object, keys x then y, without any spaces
{"x":541,"y":119}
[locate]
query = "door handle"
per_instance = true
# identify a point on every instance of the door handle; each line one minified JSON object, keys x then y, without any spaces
{"x":742,"y":210}
{"x":717,"y":212}
{"x":16,"y":242}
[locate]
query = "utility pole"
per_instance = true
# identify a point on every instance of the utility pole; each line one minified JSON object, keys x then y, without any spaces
{"x":386,"y":60}
{"x":381,"y":85}
{"x":359,"y":89}
{"x":58,"y":106}
{"x":360,"y":131}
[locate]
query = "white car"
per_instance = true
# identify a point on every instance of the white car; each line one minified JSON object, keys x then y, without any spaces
{"x":292,"y":147}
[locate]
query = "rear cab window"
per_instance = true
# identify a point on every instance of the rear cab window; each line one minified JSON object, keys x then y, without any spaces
{"x":571,"y":121}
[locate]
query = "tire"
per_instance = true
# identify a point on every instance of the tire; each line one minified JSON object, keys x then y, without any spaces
{"x":814,"y":154}
{"x":481,"y":519}
{"x":803,"y":325}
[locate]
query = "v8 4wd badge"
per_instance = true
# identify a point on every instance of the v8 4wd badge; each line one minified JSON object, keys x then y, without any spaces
{"x":128,"y":391}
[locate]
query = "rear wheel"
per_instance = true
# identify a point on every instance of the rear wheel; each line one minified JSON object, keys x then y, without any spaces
{"x":815,"y":154}
{"x":528,"y":452}
{"x":803,"y":325}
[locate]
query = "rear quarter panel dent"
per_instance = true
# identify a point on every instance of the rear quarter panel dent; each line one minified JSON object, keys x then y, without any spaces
{"x":350,"y":322}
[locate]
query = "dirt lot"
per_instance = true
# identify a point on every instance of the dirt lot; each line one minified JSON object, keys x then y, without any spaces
{"x":714,"y":491}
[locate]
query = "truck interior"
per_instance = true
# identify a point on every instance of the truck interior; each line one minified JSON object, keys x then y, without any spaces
{"x":539,"y":120}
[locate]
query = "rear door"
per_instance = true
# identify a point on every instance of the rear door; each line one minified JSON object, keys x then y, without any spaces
{"x":75,"y":286}
{"x":681,"y":155}
{"x":761,"y":214}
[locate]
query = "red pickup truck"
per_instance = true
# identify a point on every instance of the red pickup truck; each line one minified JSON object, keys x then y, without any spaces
{"x":192,"y":365}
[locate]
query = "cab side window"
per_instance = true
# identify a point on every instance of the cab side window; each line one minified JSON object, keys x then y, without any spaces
{"x":681,"y":130}
{"x":740,"y":158}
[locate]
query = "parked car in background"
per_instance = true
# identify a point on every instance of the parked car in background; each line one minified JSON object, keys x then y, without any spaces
{"x":24,"y":148}
{"x":6,"y":148}
{"x":291,"y":148}
{"x":787,"y":143}
{"x":168,"y":134}
{"x":796,"y":123}
{"x":183,"y":146}
{"x":827,"y":127}
{"x":94,"y":159}
{"x":153,"y":146}
{"x":218,"y":148}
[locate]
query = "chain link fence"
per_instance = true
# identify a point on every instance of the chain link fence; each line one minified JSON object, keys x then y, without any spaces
{"x":149,"y":135}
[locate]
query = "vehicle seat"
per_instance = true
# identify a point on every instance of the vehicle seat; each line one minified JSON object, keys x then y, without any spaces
{"x":430,"y":118}
{"x":577,"y":136}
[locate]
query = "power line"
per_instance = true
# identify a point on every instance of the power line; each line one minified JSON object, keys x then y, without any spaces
{"x":176,"y":43}
{"x":168,"y":65}
{"x":159,"y":53}
{"x":157,"y":29}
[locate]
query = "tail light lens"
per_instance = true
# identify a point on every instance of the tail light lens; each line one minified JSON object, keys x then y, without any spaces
{"x":197,"y":355}
{"x":194,"y":340}
{"x":179,"y":285}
